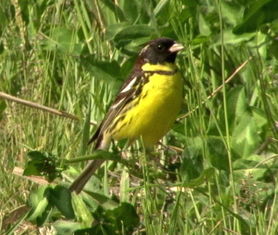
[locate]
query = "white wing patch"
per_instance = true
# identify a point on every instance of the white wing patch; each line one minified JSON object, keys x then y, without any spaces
{"x":114,"y":106}
{"x":129,"y":86}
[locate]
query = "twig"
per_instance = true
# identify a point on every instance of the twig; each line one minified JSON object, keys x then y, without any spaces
{"x":35,"y":179}
{"x":40,"y":107}
{"x":217,"y":89}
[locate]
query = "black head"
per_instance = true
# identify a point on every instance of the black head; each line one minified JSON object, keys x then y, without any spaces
{"x":160,"y":50}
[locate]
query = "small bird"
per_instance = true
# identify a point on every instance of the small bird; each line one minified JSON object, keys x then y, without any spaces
{"x":146,"y":106}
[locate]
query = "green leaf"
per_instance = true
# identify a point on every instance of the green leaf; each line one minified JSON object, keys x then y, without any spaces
{"x":62,"y":39}
{"x":86,"y":131}
{"x":121,"y":219}
{"x":259,"y":117}
{"x":259,"y":13}
{"x":124,"y":216}
{"x":114,"y":29}
{"x":237,"y":103}
{"x":39,"y":210}
{"x":109,"y":70}
{"x":66,"y":227}
{"x":245,"y":138}
{"x":218,"y":153}
{"x":105,"y":202}
{"x":61,"y":198}
{"x":192,"y":161}
{"x":42,"y":164}
{"x":81,"y":211}
{"x":124,"y":186}
{"x":204,"y":177}
{"x":204,"y":27}
{"x":98,"y":155}
{"x":200,"y":39}
{"x":231,"y":12}
{"x":115,"y":9}
{"x":251,"y":165}
{"x":132,"y":32}
{"x":40,"y":206}
{"x":163,"y":14}
{"x":231,"y":38}
{"x":131,"y":10}
{"x":160,"y":7}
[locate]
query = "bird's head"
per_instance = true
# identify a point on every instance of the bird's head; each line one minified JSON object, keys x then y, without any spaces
{"x":160,"y":51}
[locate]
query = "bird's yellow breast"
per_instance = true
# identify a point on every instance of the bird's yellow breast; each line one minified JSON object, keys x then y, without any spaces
{"x":156,"y":108}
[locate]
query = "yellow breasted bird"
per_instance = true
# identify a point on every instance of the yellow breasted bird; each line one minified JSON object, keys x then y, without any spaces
{"x":146,"y":105}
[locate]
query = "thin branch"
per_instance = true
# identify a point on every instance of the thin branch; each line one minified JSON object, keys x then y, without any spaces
{"x":35,"y":179}
{"x":40,"y":107}
{"x":217,"y":89}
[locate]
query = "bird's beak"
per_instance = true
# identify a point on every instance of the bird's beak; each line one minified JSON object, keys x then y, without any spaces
{"x":176,"y":47}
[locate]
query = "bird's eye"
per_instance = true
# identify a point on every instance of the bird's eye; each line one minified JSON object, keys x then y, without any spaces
{"x":160,"y":47}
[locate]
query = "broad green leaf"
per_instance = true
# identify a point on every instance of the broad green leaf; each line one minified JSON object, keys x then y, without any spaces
{"x":81,"y":211}
{"x":203,"y":178}
{"x":102,"y":200}
{"x":124,"y":186}
{"x":163,"y":14}
{"x":259,"y":13}
{"x":252,"y":166}
{"x":61,"y":198}
{"x":259,"y":117}
{"x":245,"y":138}
{"x":86,"y":131}
{"x":231,"y":12}
{"x":36,"y":196}
{"x":98,"y":154}
{"x":192,"y":161}
{"x":66,"y":227}
{"x":133,"y":47}
{"x":218,"y":153}
{"x":119,"y":13}
{"x":42,"y":164}
{"x":159,"y":8}
{"x":39,"y":210}
{"x":104,"y":70}
{"x":237,"y":103}
{"x":114,"y":29}
{"x":204,"y":26}
{"x":121,"y":220}
{"x":123,"y":217}
{"x":40,"y":206}
{"x":131,"y":10}
{"x":231,"y":38}
{"x":133,"y":32}
{"x":200,"y":39}
{"x":62,"y":39}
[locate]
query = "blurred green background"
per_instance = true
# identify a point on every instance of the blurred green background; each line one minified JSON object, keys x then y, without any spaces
{"x":73,"y":55}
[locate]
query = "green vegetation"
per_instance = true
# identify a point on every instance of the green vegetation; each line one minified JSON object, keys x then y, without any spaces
{"x":218,"y":175}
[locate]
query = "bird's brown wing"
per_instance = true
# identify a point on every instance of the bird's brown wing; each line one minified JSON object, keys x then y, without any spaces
{"x":129,"y":90}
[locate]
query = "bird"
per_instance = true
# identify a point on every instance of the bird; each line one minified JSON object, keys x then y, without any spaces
{"x":146,"y":106}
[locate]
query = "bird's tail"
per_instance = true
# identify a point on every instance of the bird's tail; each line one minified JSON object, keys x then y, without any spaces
{"x":79,"y":183}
